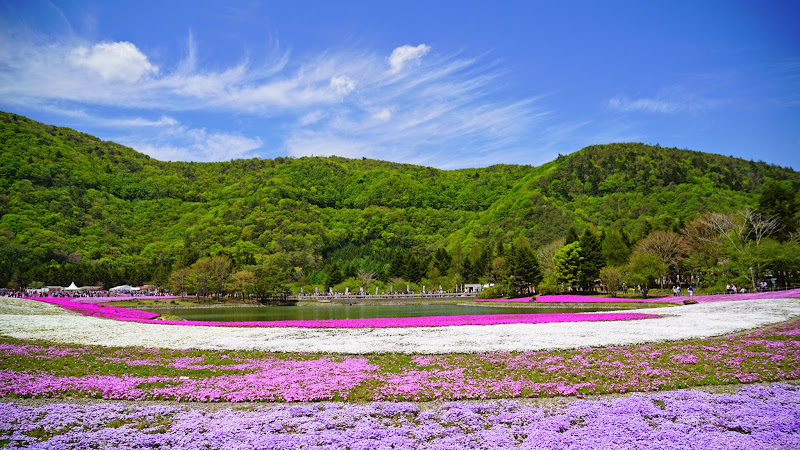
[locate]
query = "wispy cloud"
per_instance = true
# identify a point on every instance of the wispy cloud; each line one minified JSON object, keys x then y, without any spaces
{"x":413,"y":105}
{"x":650,"y":105}
{"x":86,"y":118}
{"x":668,"y":101}
{"x":182,"y":144}
{"x":163,"y":121}
{"x":165,"y":138}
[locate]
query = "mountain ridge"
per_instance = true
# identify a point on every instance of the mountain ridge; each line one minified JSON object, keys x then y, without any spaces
{"x":72,"y":200}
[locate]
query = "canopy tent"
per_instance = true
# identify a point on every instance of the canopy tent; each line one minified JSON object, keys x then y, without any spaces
{"x":124,"y":288}
{"x":72,"y":287}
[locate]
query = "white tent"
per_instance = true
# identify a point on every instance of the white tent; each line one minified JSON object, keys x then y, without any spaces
{"x":124,"y":288}
{"x":72,"y":287}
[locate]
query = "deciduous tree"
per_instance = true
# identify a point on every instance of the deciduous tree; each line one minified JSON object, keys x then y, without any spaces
{"x":779,"y":200}
{"x":643,"y":270}
{"x":612,"y":277}
{"x":567,"y":261}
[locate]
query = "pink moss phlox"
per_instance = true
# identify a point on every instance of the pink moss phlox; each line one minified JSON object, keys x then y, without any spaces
{"x":114,"y":298}
{"x":272,"y":380}
{"x":760,"y":356}
{"x":95,"y":310}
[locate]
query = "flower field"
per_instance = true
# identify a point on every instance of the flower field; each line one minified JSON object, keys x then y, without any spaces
{"x":117,"y":298}
{"x":752,"y":417}
{"x":55,"y":371}
{"x":27,"y":319}
{"x":645,"y":394}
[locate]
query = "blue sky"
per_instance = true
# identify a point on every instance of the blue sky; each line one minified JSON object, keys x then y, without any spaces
{"x":439,"y":83}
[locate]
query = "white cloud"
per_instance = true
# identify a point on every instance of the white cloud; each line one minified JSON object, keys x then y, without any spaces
{"x":342,"y":85}
{"x":651,"y":105}
{"x":220,"y":146}
{"x":164,"y":121}
{"x":318,"y":144}
{"x":312,"y":117}
{"x":186,"y":144}
{"x":383,"y":115}
{"x":111,"y":122}
{"x":402,"y":55}
{"x":115,"y":61}
{"x":667,"y":101}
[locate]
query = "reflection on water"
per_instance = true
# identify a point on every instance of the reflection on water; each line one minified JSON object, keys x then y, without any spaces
{"x":322,"y":312}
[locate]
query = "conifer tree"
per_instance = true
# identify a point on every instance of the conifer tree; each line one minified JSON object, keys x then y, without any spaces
{"x":441,"y":260}
{"x":483,"y":263}
{"x":398,"y":266}
{"x":522,"y":269}
{"x":467,"y":271}
{"x":591,"y":259}
{"x":335,"y":276}
{"x":500,"y":249}
{"x":615,"y":249}
{"x":572,"y":235}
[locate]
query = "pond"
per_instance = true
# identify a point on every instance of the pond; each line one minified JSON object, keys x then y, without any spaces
{"x":323,"y":312}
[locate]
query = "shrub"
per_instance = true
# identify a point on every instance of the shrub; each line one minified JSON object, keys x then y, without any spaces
{"x":548,"y":286}
{"x":496,"y":291}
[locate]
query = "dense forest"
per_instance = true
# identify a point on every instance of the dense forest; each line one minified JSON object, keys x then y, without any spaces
{"x":76,"y":208}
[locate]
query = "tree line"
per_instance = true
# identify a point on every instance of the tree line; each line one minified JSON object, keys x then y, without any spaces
{"x":744,"y":247}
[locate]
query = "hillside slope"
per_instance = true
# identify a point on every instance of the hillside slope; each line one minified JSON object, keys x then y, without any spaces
{"x":74,"y":206}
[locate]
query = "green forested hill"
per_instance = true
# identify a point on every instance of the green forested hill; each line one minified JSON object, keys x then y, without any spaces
{"x":75,"y":208}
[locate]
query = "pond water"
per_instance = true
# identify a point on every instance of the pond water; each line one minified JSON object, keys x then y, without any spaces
{"x":322,"y":312}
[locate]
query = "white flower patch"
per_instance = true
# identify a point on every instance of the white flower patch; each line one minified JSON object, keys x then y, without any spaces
{"x":29,"y":319}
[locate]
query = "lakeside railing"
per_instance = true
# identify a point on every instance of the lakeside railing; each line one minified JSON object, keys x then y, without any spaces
{"x":366,"y":297}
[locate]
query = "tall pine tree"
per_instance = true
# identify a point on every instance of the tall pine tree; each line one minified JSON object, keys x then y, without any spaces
{"x":572,"y":235}
{"x":615,"y":249}
{"x":591,"y":260}
{"x":522,"y":269}
{"x":441,"y":261}
{"x":335,"y":275}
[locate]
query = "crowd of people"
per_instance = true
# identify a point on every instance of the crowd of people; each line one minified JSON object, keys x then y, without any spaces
{"x":676,"y":290}
{"x":79,"y":293}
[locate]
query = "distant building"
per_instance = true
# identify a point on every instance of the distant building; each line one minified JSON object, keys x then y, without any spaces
{"x":473,"y":287}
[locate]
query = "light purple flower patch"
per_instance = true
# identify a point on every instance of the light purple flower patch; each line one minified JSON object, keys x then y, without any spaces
{"x":753,"y":417}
